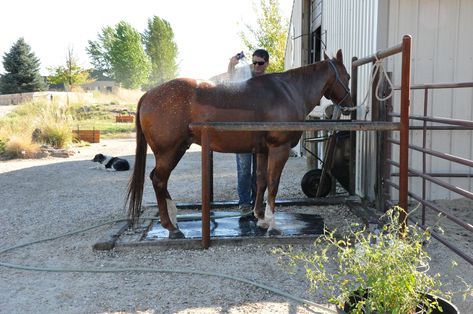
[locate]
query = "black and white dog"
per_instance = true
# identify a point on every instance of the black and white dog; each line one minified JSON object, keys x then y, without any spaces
{"x":111,"y":163}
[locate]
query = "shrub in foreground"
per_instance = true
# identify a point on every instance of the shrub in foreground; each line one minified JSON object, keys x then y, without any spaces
{"x":383,"y":272}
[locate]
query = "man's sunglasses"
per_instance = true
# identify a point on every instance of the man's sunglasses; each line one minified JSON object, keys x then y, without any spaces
{"x":259,"y":62}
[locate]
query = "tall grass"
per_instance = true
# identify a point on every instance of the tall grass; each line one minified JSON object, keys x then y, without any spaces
{"x":55,"y":120}
{"x":121,"y":97}
{"x":16,"y":129}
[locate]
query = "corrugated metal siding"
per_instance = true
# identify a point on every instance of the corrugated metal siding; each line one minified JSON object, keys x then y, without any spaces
{"x":352,"y":26}
{"x":293,"y":53}
{"x":442,"y":52}
{"x":315,"y":14}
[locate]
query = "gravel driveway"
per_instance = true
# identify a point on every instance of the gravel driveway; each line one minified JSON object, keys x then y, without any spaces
{"x":44,"y":198}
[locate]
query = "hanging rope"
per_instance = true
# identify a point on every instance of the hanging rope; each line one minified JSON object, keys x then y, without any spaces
{"x":378,"y":67}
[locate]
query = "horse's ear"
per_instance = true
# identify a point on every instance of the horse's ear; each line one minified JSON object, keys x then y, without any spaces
{"x":325,"y":56}
{"x":340,"y":56}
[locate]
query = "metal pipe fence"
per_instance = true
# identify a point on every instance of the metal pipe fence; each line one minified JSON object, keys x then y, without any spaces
{"x":449,"y":124}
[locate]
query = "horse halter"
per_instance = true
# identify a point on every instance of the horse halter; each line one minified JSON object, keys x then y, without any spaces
{"x":337,"y":80}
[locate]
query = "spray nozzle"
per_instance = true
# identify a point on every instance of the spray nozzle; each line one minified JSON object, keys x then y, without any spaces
{"x":240,"y":55}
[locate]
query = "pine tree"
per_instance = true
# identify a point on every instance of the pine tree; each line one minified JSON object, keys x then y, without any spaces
{"x":22,"y":70}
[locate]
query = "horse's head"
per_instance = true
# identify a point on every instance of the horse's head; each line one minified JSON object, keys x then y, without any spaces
{"x":338,"y":90}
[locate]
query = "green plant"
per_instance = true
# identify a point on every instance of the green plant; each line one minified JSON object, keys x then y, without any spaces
{"x":383,"y":272}
{"x":2,"y":146}
{"x":58,"y":136}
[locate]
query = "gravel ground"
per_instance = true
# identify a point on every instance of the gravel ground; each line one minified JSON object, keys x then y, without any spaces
{"x":44,"y":198}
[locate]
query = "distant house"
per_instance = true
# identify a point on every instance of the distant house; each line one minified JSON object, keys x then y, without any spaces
{"x":102,"y":83}
{"x":107,"y":86}
{"x":57,"y":87}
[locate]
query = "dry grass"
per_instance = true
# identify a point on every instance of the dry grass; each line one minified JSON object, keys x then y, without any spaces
{"x":120,"y":96}
{"x":20,"y":147}
{"x":55,"y":120}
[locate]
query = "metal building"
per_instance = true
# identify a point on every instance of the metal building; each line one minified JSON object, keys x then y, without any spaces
{"x":442,"y":52}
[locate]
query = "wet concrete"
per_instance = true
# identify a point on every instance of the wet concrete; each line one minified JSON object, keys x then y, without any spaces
{"x":231,"y":225}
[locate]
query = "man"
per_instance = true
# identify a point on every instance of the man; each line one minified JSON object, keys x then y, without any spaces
{"x":246,"y":163}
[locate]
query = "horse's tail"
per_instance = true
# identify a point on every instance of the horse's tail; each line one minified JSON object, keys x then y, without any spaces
{"x":135,"y":186}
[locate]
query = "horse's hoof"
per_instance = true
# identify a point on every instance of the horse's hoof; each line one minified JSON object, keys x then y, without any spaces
{"x":260,"y":231}
{"x":259,"y":215}
{"x":262,"y":224}
{"x":249,"y":217}
{"x":176,"y":234}
{"x":274,"y":232}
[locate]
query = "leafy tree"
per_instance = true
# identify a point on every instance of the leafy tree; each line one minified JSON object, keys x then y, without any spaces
{"x":22,"y":70}
{"x":162,"y":50}
{"x":99,"y":50}
{"x":270,"y":34}
{"x":70,"y":75}
{"x":118,"y":52}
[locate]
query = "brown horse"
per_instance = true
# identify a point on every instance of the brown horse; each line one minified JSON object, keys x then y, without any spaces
{"x":165,"y":112}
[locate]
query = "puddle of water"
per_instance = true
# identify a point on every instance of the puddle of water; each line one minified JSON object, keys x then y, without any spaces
{"x":229,"y":225}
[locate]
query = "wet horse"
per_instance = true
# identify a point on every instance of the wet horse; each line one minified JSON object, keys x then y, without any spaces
{"x":165,"y":112}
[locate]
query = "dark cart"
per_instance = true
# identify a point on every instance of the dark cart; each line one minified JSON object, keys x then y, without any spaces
{"x":335,"y":166}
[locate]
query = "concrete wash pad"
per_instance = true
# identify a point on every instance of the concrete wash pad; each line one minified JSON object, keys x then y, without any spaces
{"x":232,"y":225}
{"x":295,"y":218}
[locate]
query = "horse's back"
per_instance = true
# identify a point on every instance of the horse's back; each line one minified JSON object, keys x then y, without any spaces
{"x":164,"y":113}
{"x":167,"y":110}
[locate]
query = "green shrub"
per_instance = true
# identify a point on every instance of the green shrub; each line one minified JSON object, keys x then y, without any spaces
{"x":386,"y":271}
{"x":2,"y":147}
{"x":58,"y":136}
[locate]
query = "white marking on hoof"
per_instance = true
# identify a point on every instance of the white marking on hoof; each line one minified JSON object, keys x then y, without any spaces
{"x":269,"y":221}
{"x":262,"y":223}
{"x":172,"y":211}
{"x":269,"y":216}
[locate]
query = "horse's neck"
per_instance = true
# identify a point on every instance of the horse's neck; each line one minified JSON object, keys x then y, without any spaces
{"x":313,"y":83}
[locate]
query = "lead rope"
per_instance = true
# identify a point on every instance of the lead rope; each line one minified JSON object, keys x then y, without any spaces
{"x":377,"y":67}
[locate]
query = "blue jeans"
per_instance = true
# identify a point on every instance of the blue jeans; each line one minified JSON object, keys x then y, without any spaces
{"x":246,"y":171}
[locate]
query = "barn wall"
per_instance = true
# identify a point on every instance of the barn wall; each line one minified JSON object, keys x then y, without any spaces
{"x":352,"y":26}
{"x":296,"y":48}
{"x":442,"y":52}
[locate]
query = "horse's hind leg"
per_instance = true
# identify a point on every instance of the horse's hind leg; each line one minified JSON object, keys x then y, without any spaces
{"x":261,"y":183}
{"x":165,"y":163}
{"x":277,"y":157}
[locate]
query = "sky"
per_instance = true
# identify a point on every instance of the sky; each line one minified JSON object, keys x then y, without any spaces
{"x":206,"y":31}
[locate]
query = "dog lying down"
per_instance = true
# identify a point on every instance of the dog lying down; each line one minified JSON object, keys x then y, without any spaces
{"x":111,"y":163}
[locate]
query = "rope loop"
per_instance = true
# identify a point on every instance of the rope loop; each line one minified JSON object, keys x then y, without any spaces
{"x":378,"y":67}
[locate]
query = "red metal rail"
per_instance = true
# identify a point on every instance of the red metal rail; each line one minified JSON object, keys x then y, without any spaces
{"x":447,"y":124}
{"x":405,"y":49}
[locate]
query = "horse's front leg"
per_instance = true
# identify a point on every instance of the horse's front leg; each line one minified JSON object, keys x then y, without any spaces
{"x":261,"y":183}
{"x":277,"y":157}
